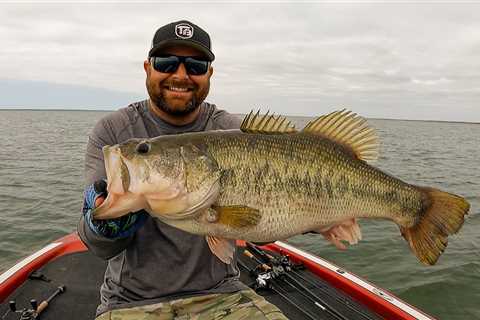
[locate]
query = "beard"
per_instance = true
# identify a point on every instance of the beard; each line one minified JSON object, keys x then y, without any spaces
{"x":157,"y":97}
{"x":163,"y":105}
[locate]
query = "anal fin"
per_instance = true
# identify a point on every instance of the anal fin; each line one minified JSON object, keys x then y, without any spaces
{"x":347,"y":230}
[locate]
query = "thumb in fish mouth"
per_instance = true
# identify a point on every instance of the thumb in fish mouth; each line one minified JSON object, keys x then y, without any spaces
{"x":99,"y":201}
{"x":100,"y":188}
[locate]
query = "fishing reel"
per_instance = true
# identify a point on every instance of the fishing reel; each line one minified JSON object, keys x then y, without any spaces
{"x":24,"y":314}
{"x":35,"y":310}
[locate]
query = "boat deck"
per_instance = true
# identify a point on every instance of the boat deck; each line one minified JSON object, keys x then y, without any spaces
{"x":82,"y":275}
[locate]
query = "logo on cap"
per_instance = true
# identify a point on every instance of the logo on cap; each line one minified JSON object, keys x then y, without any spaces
{"x":184,"y":30}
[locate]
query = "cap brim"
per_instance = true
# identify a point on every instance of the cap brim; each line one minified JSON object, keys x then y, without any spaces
{"x":184,"y":42}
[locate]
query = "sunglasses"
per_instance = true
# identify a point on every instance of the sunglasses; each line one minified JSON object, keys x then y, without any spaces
{"x":169,"y":64}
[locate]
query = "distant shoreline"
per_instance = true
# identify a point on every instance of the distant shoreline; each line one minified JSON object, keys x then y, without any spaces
{"x":50,"y":109}
{"x":110,"y":110}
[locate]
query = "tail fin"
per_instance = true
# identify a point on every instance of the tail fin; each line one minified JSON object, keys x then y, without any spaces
{"x":444,"y":216}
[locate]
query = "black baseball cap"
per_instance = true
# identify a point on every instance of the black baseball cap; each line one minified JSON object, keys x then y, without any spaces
{"x":182,"y":32}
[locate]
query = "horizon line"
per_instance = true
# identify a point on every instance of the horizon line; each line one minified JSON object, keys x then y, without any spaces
{"x":299,"y":116}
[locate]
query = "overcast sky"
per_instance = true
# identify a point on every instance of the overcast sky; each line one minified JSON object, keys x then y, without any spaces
{"x":385,"y":60}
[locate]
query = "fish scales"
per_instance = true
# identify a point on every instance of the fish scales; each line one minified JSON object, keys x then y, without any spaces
{"x":295,"y":177}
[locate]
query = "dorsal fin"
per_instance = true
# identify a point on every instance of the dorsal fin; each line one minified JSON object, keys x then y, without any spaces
{"x":266,"y":124}
{"x":349,"y":130}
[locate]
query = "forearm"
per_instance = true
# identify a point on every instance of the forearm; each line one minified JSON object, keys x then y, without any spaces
{"x":101,"y":246}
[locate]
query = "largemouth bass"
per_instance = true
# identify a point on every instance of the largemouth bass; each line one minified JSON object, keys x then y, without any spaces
{"x":268,"y":181}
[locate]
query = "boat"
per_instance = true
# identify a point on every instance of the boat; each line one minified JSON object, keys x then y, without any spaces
{"x":62,"y":281}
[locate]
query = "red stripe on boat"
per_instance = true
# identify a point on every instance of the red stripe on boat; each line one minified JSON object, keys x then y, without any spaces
{"x":16,"y":275}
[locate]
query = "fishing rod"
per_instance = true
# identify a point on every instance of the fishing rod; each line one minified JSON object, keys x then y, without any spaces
{"x":285,"y":261}
{"x":287,"y":268}
{"x":339,"y":298}
{"x":314,"y":298}
{"x":284,"y":266}
{"x":278,"y":271}
{"x":264,"y":280}
{"x":36,"y":309}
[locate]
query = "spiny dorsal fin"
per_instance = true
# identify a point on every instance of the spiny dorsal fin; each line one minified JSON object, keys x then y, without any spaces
{"x":349,"y":130}
{"x":266,"y":124}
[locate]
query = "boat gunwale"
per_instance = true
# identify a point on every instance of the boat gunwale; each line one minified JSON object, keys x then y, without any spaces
{"x":377,"y":299}
{"x":15,"y":276}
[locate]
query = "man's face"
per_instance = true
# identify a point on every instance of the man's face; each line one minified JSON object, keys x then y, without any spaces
{"x":177,"y":93}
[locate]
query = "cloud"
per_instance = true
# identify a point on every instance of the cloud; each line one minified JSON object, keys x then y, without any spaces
{"x":374,"y":57}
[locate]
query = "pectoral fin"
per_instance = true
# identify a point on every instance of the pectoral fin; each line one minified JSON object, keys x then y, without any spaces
{"x":237,"y":216}
{"x":222,"y":248}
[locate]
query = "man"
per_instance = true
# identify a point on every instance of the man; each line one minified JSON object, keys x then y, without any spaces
{"x":156,"y":271}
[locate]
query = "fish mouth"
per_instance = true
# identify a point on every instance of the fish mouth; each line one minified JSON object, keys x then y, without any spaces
{"x":119,"y":201}
{"x":115,"y":170}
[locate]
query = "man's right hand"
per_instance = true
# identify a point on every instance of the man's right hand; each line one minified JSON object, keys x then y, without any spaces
{"x":95,"y":194}
{"x":122,"y":227}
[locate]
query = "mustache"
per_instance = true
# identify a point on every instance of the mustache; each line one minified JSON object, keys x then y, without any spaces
{"x":180,"y":84}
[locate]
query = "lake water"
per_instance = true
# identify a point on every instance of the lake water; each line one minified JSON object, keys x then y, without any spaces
{"x":41,"y":167}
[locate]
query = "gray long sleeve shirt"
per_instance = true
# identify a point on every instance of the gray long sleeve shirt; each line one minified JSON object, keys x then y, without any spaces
{"x":158,"y":262}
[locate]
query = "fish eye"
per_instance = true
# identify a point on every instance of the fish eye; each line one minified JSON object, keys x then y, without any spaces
{"x":143,"y":147}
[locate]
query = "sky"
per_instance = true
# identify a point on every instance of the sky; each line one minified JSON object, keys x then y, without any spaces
{"x":401,"y":60}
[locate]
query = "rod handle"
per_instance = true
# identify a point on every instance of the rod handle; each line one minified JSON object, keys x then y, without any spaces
{"x":42,"y":306}
{"x":251,"y":256}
